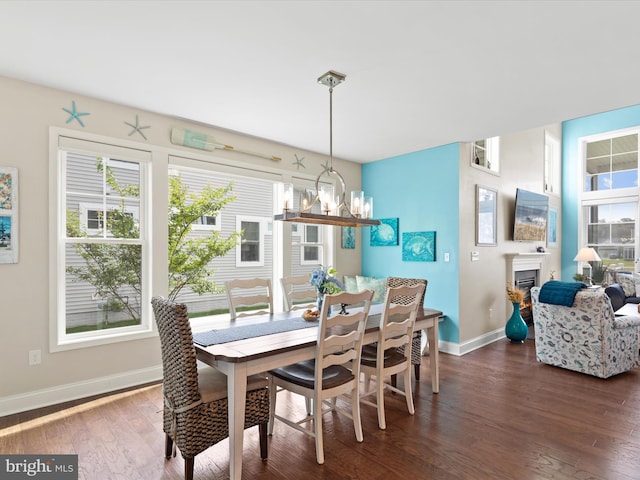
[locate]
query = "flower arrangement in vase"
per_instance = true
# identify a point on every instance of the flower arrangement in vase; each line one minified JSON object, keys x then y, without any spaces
{"x":516,"y":328}
{"x":325,"y":281}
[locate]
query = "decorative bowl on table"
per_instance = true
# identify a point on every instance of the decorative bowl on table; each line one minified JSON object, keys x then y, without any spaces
{"x":311,"y":315}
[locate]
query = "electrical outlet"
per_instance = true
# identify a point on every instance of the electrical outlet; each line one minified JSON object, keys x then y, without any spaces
{"x":446,"y":256}
{"x":35,"y":357}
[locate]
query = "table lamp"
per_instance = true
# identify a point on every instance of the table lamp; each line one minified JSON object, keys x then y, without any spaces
{"x":587,"y":254}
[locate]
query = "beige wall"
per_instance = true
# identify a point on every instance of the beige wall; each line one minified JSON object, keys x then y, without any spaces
{"x":28,"y":112}
{"x":484,"y":307}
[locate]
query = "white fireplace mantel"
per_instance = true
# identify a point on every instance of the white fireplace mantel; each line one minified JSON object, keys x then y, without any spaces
{"x":519,"y":262}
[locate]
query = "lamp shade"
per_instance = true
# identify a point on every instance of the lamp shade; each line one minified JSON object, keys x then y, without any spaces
{"x":587,"y":254}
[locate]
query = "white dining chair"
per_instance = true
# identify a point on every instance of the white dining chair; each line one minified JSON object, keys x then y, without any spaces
{"x":255,"y":292}
{"x":385,"y":358}
{"x":339,"y":346}
{"x":299,"y":294}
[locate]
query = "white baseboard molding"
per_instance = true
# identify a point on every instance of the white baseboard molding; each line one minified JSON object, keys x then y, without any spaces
{"x":73,"y":391}
{"x":460,"y":349}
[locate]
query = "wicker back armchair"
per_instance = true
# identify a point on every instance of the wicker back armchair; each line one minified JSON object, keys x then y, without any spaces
{"x":195,"y":404}
{"x":416,"y":350}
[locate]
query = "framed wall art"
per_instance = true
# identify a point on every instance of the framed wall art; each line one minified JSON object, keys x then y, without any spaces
{"x":552,"y":226}
{"x":8,"y":215}
{"x":348,"y":237}
{"x":419,"y":247}
{"x":486,"y":216}
{"x":385,"y":234}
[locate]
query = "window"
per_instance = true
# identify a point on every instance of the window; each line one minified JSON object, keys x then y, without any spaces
{"x":485,"y":154}
{"x":611,"y":163}
{"x":101,"y":286}
{"x":207,"y":222}
{"x":311,"y":248}
{"x":551,"y":164}
{"x":92,"y":218}
{"x":610,"y":196}
{"x":250,"y":251}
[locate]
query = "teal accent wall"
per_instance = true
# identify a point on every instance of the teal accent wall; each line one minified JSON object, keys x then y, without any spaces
{"x":421,"y":190}
{"x":572,"y":130}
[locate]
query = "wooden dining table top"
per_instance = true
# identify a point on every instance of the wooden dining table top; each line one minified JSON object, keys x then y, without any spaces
{"x":263,"y":345}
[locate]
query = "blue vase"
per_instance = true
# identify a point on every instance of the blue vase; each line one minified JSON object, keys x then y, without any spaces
{"x":516,"y":329}
{"x":319,"y":301}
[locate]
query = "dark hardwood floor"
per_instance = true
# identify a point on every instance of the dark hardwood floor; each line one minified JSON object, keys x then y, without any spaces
{"x":499,"y":415}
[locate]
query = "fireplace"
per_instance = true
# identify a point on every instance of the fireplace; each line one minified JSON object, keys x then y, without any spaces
{"x":524,"y":280}
{"x":524,"y":270}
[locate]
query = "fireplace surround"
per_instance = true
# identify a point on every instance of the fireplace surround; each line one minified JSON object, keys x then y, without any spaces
{"x":524,"y":270}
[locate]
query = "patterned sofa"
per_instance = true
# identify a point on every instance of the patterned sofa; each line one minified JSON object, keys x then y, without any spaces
{"x":586,"y":337}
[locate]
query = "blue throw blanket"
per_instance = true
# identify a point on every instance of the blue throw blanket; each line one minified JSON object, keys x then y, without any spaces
{"x":560,"y":293}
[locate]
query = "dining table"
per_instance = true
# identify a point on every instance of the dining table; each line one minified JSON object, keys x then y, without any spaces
{"x":254,"y":350}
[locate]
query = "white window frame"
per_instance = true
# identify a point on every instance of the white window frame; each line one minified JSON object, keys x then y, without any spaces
{"x":604,"y":197}
{"x":217,"y":225}
{"x":61,"y":142}
{"x":552,"y":164}
{"x":261,"y":221}
{"x":306,"y":243}
{"x":492,"y":155}
{"x":85,"y":208}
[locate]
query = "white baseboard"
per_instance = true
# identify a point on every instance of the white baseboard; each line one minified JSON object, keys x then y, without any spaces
{"x":73,"y":391}
{"x":460,"y":349}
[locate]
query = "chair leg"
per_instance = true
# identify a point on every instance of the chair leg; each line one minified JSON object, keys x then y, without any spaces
{"x":380,"y":403}
{"x":168,"y":446}
{"x":272,"y":403}
{"x":416,"y":370}
{"x":188,"y":468}
{"x":264,"y":453}
{"x":408,"y":393}
{"x":355,"y":412}
{"x":317,"y":427}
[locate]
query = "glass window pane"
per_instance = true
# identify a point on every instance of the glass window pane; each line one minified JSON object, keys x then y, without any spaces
{"x":250,"y":231}
{"x":627,"y":143}
{"x":598,"y":165}
{"x":626,"y":179}
{"x":599,"y":148}
{"x":311,"y":253}
{"x":312,"y":233}
{"x":102,"y":286}
{"x":250,"y":252}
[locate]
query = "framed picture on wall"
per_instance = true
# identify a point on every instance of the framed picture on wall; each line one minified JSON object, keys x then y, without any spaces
{"x":552,"y":226}
{"x":486,"y":216}
{"x":8,"y":215}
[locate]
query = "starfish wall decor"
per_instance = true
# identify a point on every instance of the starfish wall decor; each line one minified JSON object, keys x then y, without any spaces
{"x":74,"y":114}
{"x":298,"y":163}
{"x":137,"y":128}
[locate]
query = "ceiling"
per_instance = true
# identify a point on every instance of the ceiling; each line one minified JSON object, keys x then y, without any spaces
{"x":419,"y":73}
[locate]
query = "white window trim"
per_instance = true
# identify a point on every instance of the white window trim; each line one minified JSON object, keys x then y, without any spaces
{"x":62,"y":140}
{"x":261,"y":221}
{"x":552,"y":165}
{"x":84,"y":209}
{"x":600,"y":197}
{"x":206,"y":227}
{"x":318,"y":245}
{"x":492,"y":154}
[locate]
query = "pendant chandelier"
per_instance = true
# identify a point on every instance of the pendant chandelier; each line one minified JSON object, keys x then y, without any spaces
{"x":335,"y":209}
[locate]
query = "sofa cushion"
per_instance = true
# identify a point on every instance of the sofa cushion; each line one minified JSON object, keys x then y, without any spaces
{"x":626,"y":281}
{"x":350,"y":284}
{"x":378,"y":285}
{"x":616,"y":295}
